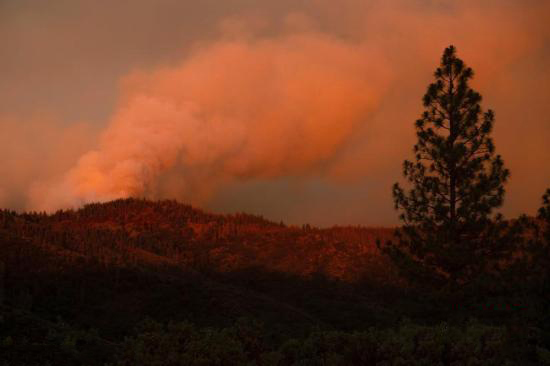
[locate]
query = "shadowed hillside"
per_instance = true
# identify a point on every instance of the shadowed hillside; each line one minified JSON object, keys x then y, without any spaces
{"x":109,"y":265}
{"x":74,"y":284}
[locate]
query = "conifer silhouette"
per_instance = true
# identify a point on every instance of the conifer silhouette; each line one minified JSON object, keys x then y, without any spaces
{"x":449,"y":234}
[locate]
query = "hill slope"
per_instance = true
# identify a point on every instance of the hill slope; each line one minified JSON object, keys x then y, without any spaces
{"x":110,"y":265}
{"x":73,"y":284}
{"x":128,"y":232}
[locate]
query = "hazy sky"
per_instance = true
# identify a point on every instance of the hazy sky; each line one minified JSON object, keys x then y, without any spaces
{"x":301,"y":111}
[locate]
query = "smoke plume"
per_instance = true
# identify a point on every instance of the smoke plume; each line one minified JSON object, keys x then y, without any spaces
{"x":302,"y":111}
{"x":235,"y":109}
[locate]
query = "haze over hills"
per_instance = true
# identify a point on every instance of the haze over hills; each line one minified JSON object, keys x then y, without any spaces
{"x":287,"y":110}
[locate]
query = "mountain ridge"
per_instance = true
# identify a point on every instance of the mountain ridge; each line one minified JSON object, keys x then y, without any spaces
{"x":173,"y":233}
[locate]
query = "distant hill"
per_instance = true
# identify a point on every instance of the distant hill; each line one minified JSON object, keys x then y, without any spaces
{"x":129,"y":232}
{"x":110,"y":265}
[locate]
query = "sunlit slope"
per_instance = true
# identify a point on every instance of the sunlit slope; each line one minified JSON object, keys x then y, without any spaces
{"x":133,"y":232}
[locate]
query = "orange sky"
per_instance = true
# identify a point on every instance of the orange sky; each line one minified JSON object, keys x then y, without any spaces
{"x":301,"y":111}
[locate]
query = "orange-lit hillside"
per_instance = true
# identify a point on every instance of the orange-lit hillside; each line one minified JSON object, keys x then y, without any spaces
{"x":133,"y":232}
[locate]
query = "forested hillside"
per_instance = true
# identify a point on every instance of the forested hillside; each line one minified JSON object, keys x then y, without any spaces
{"x":109,"y":266}
{"x":75,"y":284}
{"x":131,"y":232}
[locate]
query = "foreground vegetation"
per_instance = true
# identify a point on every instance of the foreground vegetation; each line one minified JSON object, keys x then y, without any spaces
{"x":160,"y":281}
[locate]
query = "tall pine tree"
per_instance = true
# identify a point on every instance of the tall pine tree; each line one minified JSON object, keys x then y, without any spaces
{"x":449,"y":235}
